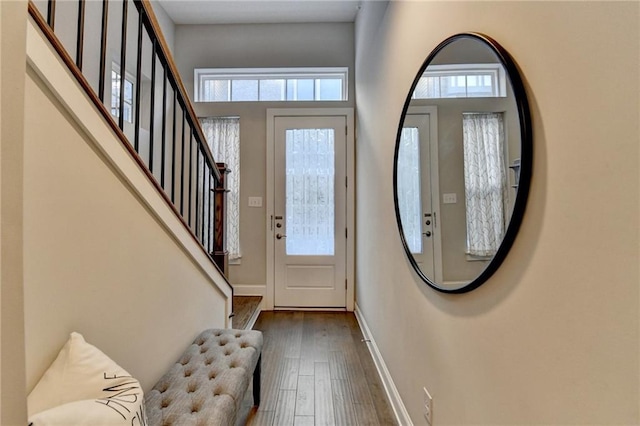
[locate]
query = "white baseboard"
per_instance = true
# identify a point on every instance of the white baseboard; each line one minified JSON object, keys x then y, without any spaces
{"x":249,"y":290}
{"x":254,"y":318}
{"x":400,"y":411}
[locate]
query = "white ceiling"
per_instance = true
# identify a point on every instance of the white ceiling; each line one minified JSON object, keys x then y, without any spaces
{"x":259,"y":11}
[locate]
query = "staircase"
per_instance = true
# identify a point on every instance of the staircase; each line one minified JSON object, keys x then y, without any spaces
{"x":148,"y":108}
{"x":246,"y":310}
{"x":118,"y":194}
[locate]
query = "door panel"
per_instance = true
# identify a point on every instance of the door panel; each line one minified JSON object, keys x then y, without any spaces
{"x":310,"y":207}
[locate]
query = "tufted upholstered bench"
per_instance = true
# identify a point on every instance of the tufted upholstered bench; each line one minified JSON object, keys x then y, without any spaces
{"x":207,"y":384}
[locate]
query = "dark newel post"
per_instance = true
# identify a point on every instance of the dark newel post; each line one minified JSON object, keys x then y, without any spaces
{"x":220,"y":254}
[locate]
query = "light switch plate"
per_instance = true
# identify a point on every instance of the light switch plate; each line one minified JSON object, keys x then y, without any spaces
{"x":449,"y":198}
{"x":255,"y":201}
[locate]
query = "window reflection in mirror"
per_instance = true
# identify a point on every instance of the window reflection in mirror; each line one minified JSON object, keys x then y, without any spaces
{"x":462,"y":81}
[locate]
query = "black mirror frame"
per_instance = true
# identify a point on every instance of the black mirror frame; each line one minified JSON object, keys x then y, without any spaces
{"x":526,"y":161}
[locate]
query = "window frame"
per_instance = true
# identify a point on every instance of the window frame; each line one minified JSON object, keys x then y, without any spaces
{"x":496,"y":70}
{"x":200,"y":75}
{"x":115,"y":68}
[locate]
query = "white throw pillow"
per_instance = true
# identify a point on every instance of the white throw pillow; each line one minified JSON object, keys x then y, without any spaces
{"x":88,"y":412}
{"x":84,"y":386}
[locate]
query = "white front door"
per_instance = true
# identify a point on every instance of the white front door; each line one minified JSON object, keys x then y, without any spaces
{"x":309,"y":221}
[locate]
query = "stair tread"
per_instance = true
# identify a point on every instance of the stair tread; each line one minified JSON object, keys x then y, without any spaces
{"x":246,"y":310}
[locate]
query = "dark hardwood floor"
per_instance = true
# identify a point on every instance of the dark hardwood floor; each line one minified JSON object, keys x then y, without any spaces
{"x":317,"y":371}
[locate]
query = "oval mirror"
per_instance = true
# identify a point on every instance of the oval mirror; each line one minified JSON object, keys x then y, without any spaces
{"x":462,"y":163}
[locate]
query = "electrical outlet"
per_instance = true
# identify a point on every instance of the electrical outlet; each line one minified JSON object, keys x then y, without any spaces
{"x":428,"y":406}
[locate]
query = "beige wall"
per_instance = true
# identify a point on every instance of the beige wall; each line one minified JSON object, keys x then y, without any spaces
{"x":166,"y":24}
{"x":265,"y":45}
{"x":103,"y":254}
{"x":553,"y":337}
{"x":12,"y":67}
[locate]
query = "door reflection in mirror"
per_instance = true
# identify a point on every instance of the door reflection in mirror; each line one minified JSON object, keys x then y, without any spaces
{"x":417,"y":176}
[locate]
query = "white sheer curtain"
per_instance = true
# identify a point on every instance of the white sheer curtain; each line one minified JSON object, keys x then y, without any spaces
{"x":310,"y":202}
{"x":223,"y":136}
{"x":485,"y":181}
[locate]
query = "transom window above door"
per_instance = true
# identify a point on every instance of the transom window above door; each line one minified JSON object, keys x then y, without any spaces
{"x":270,"y":84}
{"x":462,"y":81}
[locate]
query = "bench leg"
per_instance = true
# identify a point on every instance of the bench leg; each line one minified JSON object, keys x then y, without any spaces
{"x":256,"y":382}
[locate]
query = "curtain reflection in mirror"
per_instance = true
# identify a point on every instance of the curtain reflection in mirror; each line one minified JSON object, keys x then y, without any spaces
{"x":485,"y":181}
{"x":409,"y":195}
